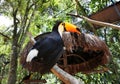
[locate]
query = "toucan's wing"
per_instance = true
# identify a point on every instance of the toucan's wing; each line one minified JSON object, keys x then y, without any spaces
{"x":47,"y":46}
{"x":49,"y":51}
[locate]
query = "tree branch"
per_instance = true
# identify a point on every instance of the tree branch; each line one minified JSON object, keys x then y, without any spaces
{"x":27,"y":26}
{"x":64,"y":76}
{"x":97,"y":22}
{"x":81,"y":7}
{"x":4,"y":35}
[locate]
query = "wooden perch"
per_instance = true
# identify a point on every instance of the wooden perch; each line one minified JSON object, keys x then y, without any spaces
{"x":97,"y":22}
{"x":64,"y":76}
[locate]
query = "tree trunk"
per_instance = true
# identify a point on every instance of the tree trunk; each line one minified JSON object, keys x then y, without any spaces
{"x":19,"y":35}
{"x":13,"y":67}
{"x":13,"y":62}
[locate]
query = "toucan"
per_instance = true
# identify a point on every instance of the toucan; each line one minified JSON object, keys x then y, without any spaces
{"x":49,"y":47}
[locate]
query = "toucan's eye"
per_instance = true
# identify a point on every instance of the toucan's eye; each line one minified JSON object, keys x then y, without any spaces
{"x":64,"y":26}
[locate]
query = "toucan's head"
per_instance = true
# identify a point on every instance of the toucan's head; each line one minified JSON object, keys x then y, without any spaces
{"x":65,"y":26}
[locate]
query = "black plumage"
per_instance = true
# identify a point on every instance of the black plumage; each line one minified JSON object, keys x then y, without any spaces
{"x":50,"y":47}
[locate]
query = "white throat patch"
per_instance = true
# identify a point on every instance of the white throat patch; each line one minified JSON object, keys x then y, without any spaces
{"x":33,"y":53}
{"x":61,"y":29}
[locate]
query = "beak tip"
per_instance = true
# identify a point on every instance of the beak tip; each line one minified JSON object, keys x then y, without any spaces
{"x":78,"y":31}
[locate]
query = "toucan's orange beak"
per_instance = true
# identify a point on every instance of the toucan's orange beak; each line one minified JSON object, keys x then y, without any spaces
{"x":71,"y":28}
